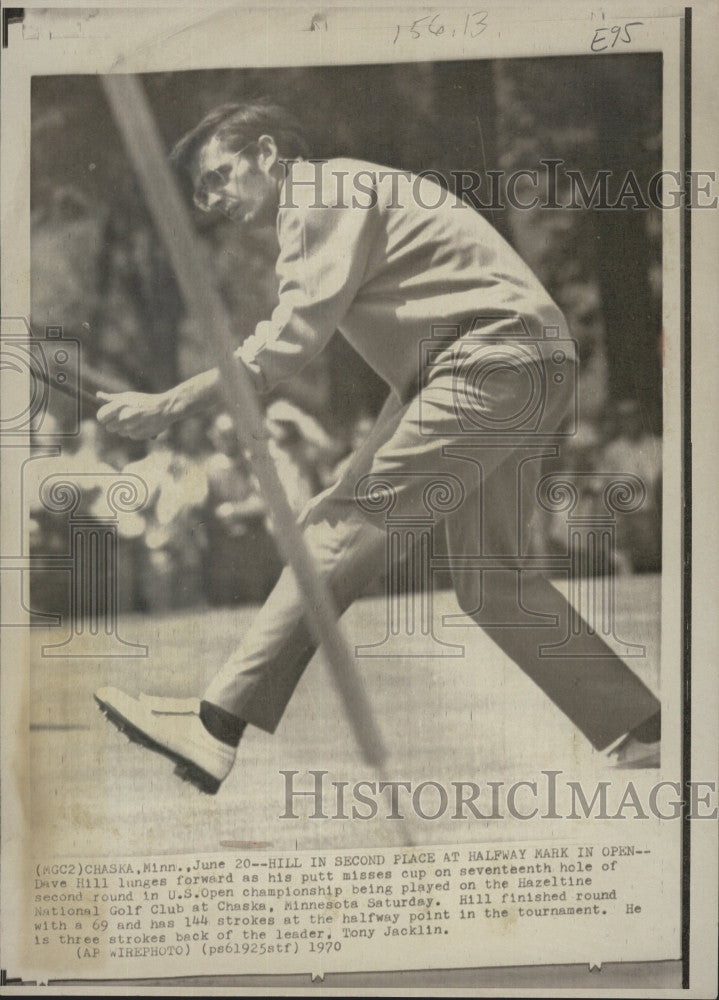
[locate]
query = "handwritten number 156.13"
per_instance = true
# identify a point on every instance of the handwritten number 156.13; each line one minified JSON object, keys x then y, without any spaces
{"x":436,"y":24}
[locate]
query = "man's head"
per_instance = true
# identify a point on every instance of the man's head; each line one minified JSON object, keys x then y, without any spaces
{"x":233,"y":159}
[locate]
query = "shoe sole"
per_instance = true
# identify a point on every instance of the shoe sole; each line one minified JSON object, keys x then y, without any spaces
{"x":185,"y":769}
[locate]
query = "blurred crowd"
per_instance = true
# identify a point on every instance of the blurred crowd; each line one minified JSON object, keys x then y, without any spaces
{"x":606,"y":449}
{"x":203,"y":534}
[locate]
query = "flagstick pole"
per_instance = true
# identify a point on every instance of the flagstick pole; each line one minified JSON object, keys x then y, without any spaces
{"x":134,"y":118}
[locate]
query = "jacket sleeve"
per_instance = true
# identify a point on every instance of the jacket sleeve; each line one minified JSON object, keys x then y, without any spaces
{"x":322,"y":263}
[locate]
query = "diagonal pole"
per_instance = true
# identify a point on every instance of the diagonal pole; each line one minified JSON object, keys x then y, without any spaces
{"x":134,"y":118}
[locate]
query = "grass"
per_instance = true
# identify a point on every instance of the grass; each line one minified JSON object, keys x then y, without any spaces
{"x":477,"y":717}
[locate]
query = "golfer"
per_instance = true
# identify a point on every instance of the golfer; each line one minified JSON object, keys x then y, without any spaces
{"x":442,"y":308}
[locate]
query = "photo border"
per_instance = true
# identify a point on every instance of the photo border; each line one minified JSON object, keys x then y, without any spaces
{"x":687,"y":399}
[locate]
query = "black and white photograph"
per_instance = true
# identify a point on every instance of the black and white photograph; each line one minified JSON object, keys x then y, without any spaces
{"x":346,"y":555}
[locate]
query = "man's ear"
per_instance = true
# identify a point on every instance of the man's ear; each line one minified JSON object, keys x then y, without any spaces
{"x":267,"y":155}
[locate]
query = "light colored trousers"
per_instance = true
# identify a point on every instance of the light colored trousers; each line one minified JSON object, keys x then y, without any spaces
{"x":411,"y":444}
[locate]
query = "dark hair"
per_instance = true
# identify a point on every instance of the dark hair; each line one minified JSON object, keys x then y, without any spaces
{"x":239,"y":124}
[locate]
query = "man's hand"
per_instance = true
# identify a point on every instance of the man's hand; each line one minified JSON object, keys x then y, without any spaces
{"x":137,"y":415}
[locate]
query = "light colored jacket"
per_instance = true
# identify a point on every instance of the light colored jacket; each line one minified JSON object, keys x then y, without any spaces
{"x":387,"y":258}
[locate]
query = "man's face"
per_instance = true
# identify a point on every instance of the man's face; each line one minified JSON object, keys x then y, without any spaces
{"x":242,"y":185}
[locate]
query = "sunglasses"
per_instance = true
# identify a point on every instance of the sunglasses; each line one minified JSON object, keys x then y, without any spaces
{"x":213,"y":181}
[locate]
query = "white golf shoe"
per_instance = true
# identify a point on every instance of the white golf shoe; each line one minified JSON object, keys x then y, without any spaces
{"x":171,"y":726}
